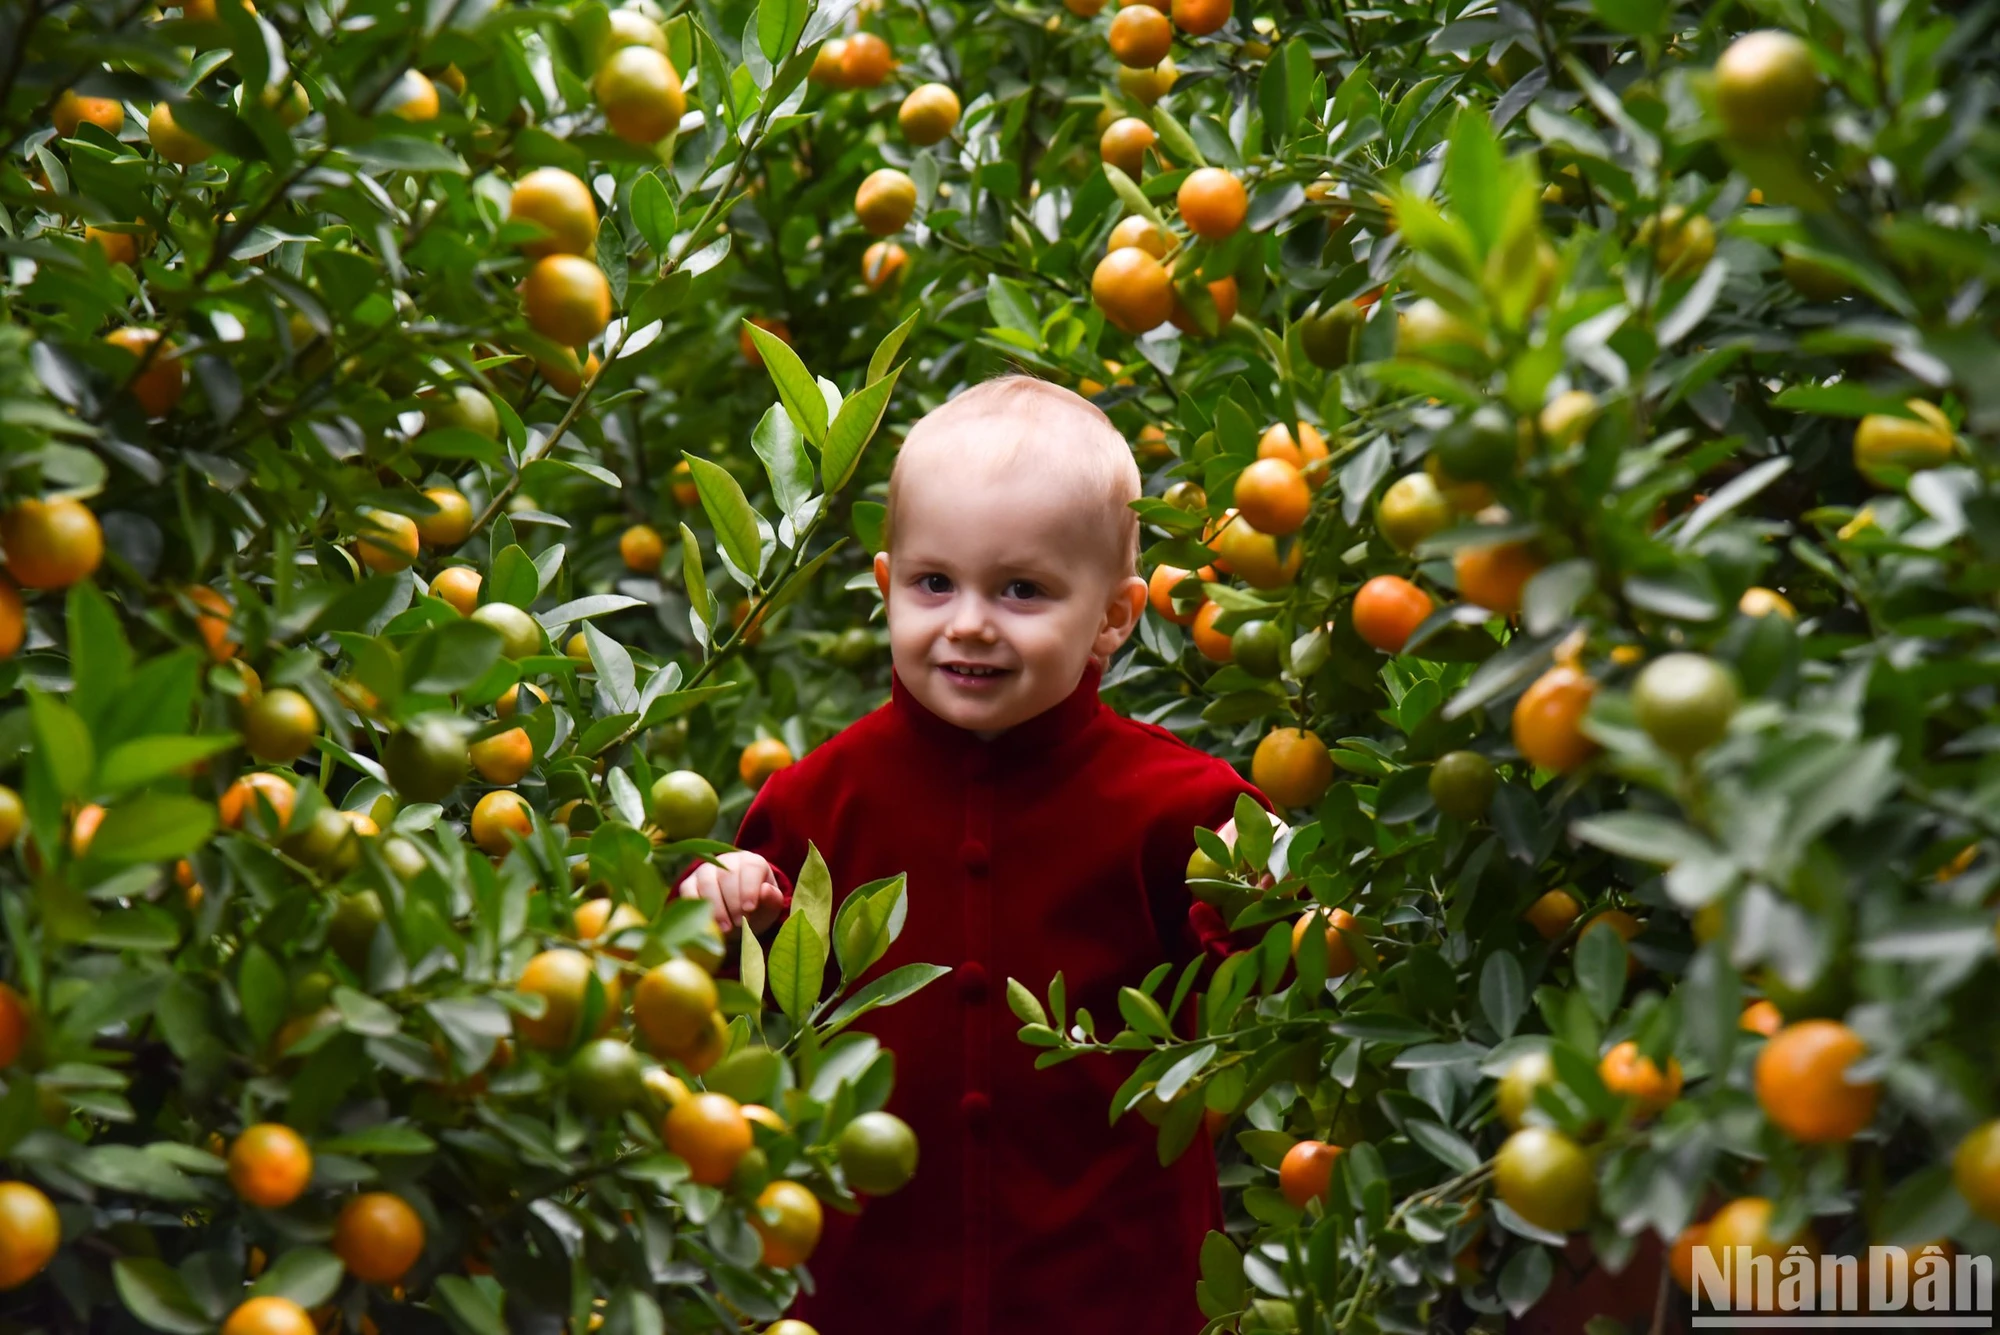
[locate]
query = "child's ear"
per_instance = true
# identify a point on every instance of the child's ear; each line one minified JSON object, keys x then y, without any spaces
{"x":882,"y":574}
{"x":1121,"y":616}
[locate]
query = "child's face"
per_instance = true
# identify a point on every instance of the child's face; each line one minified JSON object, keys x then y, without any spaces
{"x":1001,"y":588}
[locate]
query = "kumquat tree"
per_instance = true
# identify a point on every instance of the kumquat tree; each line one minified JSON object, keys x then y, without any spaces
{"x":438,"y":495}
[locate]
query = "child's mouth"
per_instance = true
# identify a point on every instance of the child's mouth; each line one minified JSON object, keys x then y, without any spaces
{"x":972,"y":673}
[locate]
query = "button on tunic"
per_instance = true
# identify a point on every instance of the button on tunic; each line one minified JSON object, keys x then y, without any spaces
{"x":1060,"y":845}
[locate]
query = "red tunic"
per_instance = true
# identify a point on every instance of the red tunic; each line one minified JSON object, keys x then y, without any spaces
{"x":1060,"y":845}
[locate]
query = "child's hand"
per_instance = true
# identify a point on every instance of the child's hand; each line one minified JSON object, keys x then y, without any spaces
{"x":740,"y":887}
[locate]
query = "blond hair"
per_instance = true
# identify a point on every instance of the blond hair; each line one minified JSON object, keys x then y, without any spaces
{"x":1013,"y":419}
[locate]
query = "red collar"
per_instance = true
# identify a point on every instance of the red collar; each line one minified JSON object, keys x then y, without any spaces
{"x":1044,"y":731}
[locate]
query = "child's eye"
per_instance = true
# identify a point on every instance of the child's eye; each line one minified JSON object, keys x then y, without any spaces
{"x":1022,"y":589}
{"x":934,"y":583}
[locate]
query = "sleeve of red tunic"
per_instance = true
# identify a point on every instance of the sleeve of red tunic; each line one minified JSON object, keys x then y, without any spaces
{"x":1197,"y":790}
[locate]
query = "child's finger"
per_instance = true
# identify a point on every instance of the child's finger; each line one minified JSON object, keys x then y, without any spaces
{"x":690,"y":886}
{"x":706,"y":881}
{"x":748,"y":888}
{"x":770,"y":904}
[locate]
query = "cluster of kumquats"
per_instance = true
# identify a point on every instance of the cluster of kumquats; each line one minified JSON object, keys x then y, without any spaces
{"x":886,"y":199}
{"x":565,"y":298}
{"x":313,"y":766}
{"x":1647,"y":665}
{"x":573,"y":995}
{"x":1569,"y":463}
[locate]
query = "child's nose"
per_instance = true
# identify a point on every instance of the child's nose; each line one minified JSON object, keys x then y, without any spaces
{"x":969,"y":620}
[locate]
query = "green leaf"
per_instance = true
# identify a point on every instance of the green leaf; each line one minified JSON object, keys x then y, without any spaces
{"x":1177,"y":1076}
{"x":262,"y":992}
{"x":402,"y":153}
{"x":785,"y":463}
{"x":1728,"y":497}
{"x":892,"y":987}
{"x":675,"y":703}
{"x":749,"y":1075}
{"x":458,"y":443}
{"x":390,"y":1138}
{"x":1503,"y":993}
{"x":62,"y":742}
{"x":131,"y":1169}
{"x":588,"y":608}
{"x":1443,"y":1144}
{"x":653,"y":213}
{"x":220,"y":126}
{"x":1175,"y":140}
{"x":729,"y":512}
{"x":1012,"y":307}
{"x":1642,"y":836}
{"x":1684,"y":594}
{"x":1922,"y":1208}
{"x":714,"y":72}
{"x":616,"y":677}
{"x":1553,"y":593}
{"x":1222,"y":1270}
{"x":363,"y":1014}
{"x":355,"y":608}
{"x":1274,"y":99}
{"x":1381,"y":1027}
{"x":750,"y":969}
{"x":797,"y":390}
{"x":779,"y":24}
{"x":20,"y":1112}
{"x":892,"y":343}
{"x":870,"y":919}
{"x":1143,"y":1013}
{"x":153,"y":828}
{"x":1299,"y":80}
{"x":100,"y":659}
{"x":1600,"y":971}
{"x":136,"y":763}
{"x":308,"y":1276}
{"x":695,"y":580}
{"x":1527,"y":1273}
{"x":475,"y":1303}
{"x":813,"y":895}
{"x":1474,"y":177}
{"x":869,"y":518}
{"x":155,"y":1293}
{"x":1253,"y":832}
{"x":1638,"y":17}
{"x":661,"y":299}
{"x":1844,"y":399}
{"x":854,"y":428}
{"x":451,"y":657}
{"x":472,"y":1026}
{"x":1132,"y":197}
{"x":797,"y":968}
{"x":514,"y":579}
{"x":1025,"y":1005}
{"x":141,"y":927}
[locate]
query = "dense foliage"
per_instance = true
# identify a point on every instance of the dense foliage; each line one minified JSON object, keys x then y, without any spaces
{"x":1581,"y":422}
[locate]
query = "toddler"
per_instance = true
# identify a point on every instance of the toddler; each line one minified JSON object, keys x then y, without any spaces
{"x":1040,"y":832}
